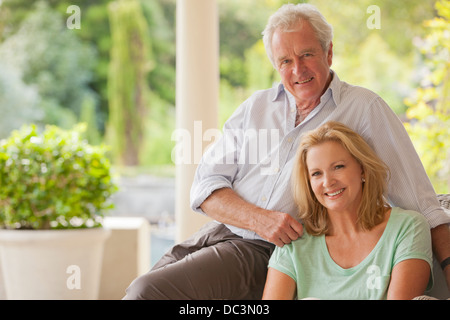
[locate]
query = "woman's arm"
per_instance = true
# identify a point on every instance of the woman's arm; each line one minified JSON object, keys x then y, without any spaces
{"x":409,"y":279}
{"x":279,"y":286}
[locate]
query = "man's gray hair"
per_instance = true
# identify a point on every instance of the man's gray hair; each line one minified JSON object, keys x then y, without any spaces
{"x":289,"y":18}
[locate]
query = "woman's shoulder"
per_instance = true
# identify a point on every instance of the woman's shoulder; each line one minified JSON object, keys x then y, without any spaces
{"x":407,"y":215}
{"x":405,"y":219}
{"x":304,"y":243}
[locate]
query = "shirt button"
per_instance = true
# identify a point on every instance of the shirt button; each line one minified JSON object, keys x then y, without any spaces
{"x":293,"y":110}
{"x":276,"y":170}
{"x":263,"y":198}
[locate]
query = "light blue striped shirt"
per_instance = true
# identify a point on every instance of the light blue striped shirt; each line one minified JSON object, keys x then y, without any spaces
{"x":254,"y":156}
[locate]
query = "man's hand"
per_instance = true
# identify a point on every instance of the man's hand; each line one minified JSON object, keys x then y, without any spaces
{"x":277,"y":227}
{"x":225,"y":206}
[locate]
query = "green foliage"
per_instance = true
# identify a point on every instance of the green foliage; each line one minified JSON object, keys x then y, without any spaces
{"x":162,"y":33}
{"x":18,"y":101}
{"x":94,"y":34}
{"x":52,"y":59}
{"x":429,"y":108}
{"x":89,"y":116}
{"x":382,"y":59}
{"x":159,"y":125}
{"x":379,"y":69}
{"x":241,"y":24}
{"x":53,"y":180}
{"x":259,"y":70}
{"x":127,"y":86}
{"x":230,"y":99}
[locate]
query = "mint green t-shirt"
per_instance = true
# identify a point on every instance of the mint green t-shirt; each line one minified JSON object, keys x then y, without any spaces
{"x":308,"y":262}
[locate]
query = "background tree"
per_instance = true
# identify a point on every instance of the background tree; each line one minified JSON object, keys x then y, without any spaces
{"x":429,"y":107}
{"x":52,"y":59}
{"x":19,"y":103}
{"x":127,"y":86}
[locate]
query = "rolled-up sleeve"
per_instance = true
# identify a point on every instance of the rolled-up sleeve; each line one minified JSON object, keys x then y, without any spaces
{"x":219,"y":165}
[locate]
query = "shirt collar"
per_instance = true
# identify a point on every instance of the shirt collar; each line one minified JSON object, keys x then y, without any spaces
{"x":334,"y":87}
{"x":278,"y":89}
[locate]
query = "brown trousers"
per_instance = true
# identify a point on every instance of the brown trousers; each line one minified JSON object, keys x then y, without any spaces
{"x":213,"y":264}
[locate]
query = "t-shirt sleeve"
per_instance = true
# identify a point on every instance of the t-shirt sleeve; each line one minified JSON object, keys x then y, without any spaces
{"x":414,"y":241}
{"x":282,"y":260}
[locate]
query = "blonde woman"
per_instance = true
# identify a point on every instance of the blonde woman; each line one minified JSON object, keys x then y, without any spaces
{"x":355,"y":245}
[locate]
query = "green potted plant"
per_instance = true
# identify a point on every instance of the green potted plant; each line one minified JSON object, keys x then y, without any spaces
{"x":54,"y":188}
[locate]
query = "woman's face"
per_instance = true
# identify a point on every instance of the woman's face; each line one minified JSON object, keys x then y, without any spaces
{"x":335,"y":177}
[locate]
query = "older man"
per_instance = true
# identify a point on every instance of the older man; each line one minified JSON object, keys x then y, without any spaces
{"x":251,"y":200}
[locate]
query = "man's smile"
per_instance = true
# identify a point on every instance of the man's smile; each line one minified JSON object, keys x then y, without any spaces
{"x":304,"y":81}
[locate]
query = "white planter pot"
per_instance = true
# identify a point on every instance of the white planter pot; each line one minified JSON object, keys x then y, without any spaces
{"x":52,"y":264}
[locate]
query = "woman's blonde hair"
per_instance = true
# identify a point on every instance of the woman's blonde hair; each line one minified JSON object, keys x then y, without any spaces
{"x":373,"y":204}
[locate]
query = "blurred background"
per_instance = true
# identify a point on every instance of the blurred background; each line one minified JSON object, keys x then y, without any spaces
{"x":64,"y":62}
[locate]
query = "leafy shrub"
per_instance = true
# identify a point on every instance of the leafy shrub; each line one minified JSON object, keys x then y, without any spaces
{"x":53,"y":180}
{"x":429,"y":108}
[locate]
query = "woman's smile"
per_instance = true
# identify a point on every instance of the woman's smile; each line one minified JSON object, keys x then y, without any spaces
{"x":335,"y":193}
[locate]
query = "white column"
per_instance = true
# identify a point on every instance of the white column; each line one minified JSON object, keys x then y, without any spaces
{"x":196,"y":96}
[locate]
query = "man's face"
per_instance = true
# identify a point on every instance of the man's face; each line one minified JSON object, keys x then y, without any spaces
{"x":303,"y":65}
